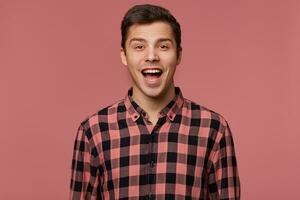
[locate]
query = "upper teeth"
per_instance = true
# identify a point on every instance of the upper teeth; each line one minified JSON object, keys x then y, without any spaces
{"x":152,"y":71}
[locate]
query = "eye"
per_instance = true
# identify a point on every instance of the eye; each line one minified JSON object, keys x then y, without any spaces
{"x":139,"y":47}
{"x":164,"y":47}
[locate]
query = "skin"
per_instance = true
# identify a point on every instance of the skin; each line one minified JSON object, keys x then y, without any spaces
{"x":151,"y":46}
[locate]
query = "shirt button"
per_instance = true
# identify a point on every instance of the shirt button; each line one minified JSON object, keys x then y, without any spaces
{"x":152,"y":163}
{"x":149,"y":197}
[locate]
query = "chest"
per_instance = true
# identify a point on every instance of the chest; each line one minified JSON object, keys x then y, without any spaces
{"x":176,"y":148}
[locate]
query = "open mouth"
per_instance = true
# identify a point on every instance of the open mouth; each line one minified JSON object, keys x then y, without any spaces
{"x":151,"y":73}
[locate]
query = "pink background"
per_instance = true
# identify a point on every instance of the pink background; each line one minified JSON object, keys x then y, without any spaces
{"x":60,"y":62}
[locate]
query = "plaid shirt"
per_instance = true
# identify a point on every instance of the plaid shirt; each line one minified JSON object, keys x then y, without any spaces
{"x":188,"y":154}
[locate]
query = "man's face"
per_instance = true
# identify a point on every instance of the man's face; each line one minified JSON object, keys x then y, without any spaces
{"x":151,"y":58}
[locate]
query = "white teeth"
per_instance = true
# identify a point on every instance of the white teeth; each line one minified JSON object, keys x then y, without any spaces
{"x":152,"y":71}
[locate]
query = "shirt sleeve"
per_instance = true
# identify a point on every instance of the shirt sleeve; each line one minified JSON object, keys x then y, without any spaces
{"x":223,"y":177}
{"x":84,"y":170}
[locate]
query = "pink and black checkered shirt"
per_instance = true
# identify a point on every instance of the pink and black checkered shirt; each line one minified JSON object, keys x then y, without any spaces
{"x":188,"y":154}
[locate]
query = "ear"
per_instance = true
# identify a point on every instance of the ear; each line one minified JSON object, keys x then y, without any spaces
{"x":123,"y":56}
{"x":179,"y":57}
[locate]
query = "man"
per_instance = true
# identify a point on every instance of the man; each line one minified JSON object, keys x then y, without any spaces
{"x":154,"y":144}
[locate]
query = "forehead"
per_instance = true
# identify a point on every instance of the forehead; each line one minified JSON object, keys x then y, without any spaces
{"x":151,"y":32}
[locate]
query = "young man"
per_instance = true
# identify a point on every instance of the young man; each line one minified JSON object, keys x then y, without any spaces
{"x":154,"y":144}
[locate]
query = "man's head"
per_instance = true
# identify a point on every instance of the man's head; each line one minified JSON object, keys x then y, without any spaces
{"x":146,"y":14}
{"x":151,"y":50}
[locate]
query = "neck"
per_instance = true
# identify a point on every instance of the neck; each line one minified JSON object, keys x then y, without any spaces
{"x":153,"y":105}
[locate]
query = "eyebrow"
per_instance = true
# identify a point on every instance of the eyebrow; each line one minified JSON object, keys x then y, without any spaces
{"x":143,"y":40}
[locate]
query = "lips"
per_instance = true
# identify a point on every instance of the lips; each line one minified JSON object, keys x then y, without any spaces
{"x":152,"y":76}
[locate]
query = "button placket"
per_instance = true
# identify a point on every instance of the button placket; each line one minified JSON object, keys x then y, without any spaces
{"x":151,"y":163}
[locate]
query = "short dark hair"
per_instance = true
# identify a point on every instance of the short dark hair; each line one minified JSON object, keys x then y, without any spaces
{"x":146,"y":14}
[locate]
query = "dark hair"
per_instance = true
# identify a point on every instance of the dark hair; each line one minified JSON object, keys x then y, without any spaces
{"x":146,"y":14}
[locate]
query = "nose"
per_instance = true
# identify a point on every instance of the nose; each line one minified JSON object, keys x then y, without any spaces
{"x":152,"y":55}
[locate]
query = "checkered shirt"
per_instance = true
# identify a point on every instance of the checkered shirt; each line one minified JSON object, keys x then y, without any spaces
{"x":188,"y":154}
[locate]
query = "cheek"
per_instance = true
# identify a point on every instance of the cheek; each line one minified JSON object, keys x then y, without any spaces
{"x":134,"y":59}
{"x":172,"y":62}
{"x":133,"y":69}
{"x":170,"y":57}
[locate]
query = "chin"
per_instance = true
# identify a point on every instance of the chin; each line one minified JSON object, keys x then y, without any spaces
{"x":154,"y":92}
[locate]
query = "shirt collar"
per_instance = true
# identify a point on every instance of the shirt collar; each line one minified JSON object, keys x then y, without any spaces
{"x":135,"y":111}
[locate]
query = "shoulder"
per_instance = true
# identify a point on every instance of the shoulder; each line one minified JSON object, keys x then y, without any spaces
{"x":99,"y":119}
{"x":205,"y":114}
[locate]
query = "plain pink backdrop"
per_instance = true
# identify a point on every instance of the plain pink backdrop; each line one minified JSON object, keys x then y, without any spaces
{"x":60,"y":62}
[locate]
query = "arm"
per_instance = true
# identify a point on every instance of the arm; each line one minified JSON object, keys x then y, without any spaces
{"x":84,"y":171}
{"x":224,"y":180}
